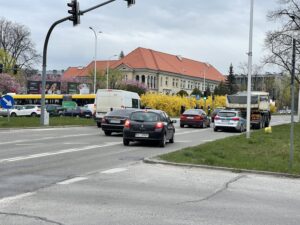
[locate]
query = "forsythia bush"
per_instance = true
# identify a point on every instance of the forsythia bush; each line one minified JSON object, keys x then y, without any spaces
{"x":273,"y":108}
{"x":172,"y":104}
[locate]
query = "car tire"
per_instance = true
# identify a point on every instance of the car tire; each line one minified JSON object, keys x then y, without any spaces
{"x":98,"y":124}
{"x":33,"y":114}
{"x":125,"y":142}
{"x":107,"y":133}
{"x":215,"y":129}
{"x":163,"y":141}
{"x":181,"y":125}
{"x":13,"y":114}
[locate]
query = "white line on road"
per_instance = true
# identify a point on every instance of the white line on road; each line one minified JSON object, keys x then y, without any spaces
{"x":44,"y":138}
{"x":20,"y":158}
{"x":73,"y":180}
{"x":116,"y":170}
{"x":14,"y":198}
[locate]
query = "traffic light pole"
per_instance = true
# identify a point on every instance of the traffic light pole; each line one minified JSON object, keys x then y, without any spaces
{"x":42,"y":121}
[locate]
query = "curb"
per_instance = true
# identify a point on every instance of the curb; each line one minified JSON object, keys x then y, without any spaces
{"x":234,"y":170}
{"x":43,"y":127}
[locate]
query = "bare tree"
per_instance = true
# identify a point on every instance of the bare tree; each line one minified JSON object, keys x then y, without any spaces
{"x":16,"y":47}
{"x":279,"y":42}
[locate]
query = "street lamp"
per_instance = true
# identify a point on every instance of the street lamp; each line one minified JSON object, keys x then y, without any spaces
{"x":205,"y":71}
{"x":107,"y":69}
{"x":95,"y":66}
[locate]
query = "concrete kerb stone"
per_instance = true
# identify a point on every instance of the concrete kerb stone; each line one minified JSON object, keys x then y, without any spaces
{"x":154,"y":160}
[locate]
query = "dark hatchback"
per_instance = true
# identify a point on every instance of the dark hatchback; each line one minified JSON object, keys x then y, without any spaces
{"x":78,"y":112}
{"x":114,"y":121}
{"x":54,"y":109}
{"x":195,"y":118}
{"x":149,"y":125}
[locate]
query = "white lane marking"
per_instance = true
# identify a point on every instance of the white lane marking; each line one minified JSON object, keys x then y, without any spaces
{"x":73,"y":180}
{"x":44,"y":138}
{"x":116,"y":170}
{"x":14,"y":198}
{"x":21,"y":158}
{"x":188,"y":132}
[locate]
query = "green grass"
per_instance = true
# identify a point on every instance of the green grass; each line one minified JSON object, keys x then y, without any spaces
{"x":266,"y":152}
{"x":22,"y":122}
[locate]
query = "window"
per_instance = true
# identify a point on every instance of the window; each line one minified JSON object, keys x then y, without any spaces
{"x":143,"y":79}
{"x":135,"y":103}
{"x":137,"y":78}
{"x":173,"y":82}
{"x":166,"y":81}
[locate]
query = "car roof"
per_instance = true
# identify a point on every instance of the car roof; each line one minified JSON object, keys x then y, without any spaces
{"x":149,"y":110}
{"x":230,"y":110}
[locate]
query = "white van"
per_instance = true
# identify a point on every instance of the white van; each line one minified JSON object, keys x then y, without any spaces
{"x":110,"y":99}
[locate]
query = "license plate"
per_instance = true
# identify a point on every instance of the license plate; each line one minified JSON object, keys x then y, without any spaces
{"x":190,"y":117}
{"x":139,"y":135}
{"x":114,"y":121}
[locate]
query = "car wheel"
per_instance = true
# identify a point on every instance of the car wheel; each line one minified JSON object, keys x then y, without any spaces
{"x":33,"y":114}
{"x":162,"y":143}
{"x":125,"y":142}
{"x":13,"y":114}
{"x":215,"y":129}
{"x":172,"y":139}
{"x":181,"y":125}
{"x":98,"y":124}
{"x":107,"y":133}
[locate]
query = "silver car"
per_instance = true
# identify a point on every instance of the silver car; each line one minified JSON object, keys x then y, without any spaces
{"x":13,"y":111}
{"x":226,"y":119}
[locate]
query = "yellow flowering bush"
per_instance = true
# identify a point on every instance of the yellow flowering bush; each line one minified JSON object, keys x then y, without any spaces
{"x":172,"y":104}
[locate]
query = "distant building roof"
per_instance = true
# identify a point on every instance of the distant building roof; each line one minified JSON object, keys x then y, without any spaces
{"x":142,"y":58}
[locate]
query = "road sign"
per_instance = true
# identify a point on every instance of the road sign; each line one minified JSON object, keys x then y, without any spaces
{"x":7,"y":102}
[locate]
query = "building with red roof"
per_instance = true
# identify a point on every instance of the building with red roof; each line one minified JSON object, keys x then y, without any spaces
{"x":160,"y":72}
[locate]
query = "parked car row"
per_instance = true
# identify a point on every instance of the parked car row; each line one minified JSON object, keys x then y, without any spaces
{"x":52,"y":109}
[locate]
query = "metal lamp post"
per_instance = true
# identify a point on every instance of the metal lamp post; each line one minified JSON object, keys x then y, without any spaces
{"x":107,"y":69}
{"x":95,"y":58}
{"x":249,"y":70}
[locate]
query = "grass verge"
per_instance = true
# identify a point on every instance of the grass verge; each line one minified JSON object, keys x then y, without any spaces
{"x":263,"y":151}
{"x":21,"y":122}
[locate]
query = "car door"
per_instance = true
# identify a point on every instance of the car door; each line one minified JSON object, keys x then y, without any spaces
{"x":169,"y":124}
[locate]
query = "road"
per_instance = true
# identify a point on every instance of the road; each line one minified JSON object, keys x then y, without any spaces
{"x":78,"y":175}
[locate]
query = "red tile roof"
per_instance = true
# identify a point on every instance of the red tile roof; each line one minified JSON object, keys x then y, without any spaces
{"x":142,"y":58}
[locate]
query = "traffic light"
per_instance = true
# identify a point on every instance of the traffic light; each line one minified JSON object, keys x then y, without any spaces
{"x":15,"y":69}
{"x":130,"y":2}
{"x":205,"y":95}
{"x":74,"y":11}
{"x":1,"y":68}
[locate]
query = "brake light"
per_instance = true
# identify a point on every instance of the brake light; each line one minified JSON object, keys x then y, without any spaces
{"x":216,"y":118}
{"x":182,"y":117}
{"x":127,"y":124}
{"x":198,"y":118}
{"x":159,"y":125}
{"x":235,"y":119}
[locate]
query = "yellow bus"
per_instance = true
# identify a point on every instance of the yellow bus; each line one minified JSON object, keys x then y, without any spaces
{"x":80,"y":99}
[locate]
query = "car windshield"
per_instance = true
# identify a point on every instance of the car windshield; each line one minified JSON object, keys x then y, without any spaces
{"x":120,"y":112}
{"x":193,"y":112}
{"x":227,"y":114}
{"x":145,"y":116}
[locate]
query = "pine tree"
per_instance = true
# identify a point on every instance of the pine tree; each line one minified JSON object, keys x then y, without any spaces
{"x":121,"y":56}
{"x":230,"y":82}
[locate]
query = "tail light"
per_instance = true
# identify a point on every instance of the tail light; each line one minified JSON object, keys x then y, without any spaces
{"x":127,"y":124}
{"x":235,"y":119}
{"x":198,"y":118}
{"x":216,"y":118}
{"x":159,"y":125}
{"x":182,"y":117}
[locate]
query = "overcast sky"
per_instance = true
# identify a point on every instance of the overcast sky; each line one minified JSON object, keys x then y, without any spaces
{"x":214,"y":31}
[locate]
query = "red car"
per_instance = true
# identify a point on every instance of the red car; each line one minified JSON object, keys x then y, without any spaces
{"x":195,"y":118}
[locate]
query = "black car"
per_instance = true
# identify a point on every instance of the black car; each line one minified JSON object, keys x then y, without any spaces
{"x":214,"y":113}
{"x":149,"y":125}
{"x":54,"y":109}
{"x":195,"y":118}
{"x":114,"y":121}
{"x":78,"y":112}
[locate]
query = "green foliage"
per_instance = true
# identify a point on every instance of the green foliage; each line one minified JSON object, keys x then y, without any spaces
{"x":182,"y":93}
{"x":230,"y":82}
{"x":196,"y":92}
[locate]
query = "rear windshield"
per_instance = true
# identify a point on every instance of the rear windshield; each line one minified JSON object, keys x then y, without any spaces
{"x":241,"y":99}
{"x":227,"y":114}
{"x":193,"y":111}
{"x":120,"y":112}
{"x":145,"y":116}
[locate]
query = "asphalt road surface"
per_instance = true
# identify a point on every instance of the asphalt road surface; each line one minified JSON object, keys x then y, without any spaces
{"x":79,"y":176}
